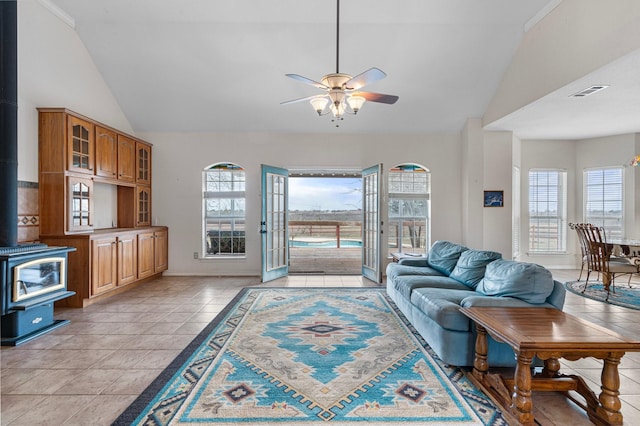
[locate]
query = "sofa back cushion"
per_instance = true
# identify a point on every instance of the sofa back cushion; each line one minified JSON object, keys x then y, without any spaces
{"x":525,"y":281}
{"x":443,"y":256}
{"x":471,"y":266}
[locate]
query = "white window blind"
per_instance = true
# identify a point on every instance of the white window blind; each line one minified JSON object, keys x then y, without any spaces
{"x":603,"y":195}
{"x":547,"y":211}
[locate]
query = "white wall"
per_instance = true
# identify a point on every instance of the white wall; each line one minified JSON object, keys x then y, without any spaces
{"x":472,"y":183}
{"x":179,"y":158}
{"x":55,"y":70}
{"x":579,"y":37}
{"x":496,"y":226}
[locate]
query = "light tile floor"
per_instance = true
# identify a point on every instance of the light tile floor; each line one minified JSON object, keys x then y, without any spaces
{"x":89,"y":371}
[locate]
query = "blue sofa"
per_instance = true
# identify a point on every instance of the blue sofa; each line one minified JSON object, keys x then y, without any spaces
{"x":430,"y":291}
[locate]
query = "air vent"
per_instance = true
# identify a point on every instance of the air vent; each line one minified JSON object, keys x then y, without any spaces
{"x":588,"y":91}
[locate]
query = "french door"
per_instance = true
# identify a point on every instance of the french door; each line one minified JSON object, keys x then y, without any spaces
{"x":371,"y":223}
{"x":273,"y":225}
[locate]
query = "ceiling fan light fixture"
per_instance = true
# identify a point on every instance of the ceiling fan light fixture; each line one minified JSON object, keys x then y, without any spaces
{"x":355,"y":102}
{"x":338,"y":109}
{"x":343,"y":93}
{"x":337,"y":96}
{"x":319,"y":104}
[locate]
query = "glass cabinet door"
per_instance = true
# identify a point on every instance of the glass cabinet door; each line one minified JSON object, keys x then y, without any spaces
{"x":143,"y":206}
{"x":143,"y":164}
{"x":80,"y":192}
{"x":80,"y":145}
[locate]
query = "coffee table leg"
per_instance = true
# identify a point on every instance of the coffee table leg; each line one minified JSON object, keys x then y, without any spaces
{"x":480,"y":363}
{"x":609,"y":409}
{"x":522,"y":404}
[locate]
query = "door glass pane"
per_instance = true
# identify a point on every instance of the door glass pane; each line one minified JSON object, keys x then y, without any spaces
{"x":370,"y":224}
{"x":276,"y":238}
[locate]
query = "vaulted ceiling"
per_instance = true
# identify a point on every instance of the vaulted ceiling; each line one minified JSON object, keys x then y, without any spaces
{"x":220,"y":65}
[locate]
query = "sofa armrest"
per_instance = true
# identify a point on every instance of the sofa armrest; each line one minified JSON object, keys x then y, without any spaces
{"x":498,"y":301}
{"x":414,"y":261}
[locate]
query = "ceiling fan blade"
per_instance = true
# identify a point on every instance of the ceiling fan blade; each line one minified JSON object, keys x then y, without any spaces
{"x":308,"y":98}
{"x":377,"y":97}
{"x":307,"y":81}
{"x":369,"y":76}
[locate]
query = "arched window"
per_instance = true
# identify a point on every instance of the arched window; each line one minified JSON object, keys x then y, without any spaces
{"x":223,"y":192}
{"x":409,"y":209}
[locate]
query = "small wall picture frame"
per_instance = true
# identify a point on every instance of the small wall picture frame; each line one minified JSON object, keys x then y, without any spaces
{"x":494,"y":198}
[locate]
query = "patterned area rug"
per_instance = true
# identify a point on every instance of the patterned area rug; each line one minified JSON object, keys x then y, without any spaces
{"x":303,"y":356}
{"x":626,"y":296}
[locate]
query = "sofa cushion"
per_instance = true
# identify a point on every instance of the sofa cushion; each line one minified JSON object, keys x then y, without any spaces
{"x":443,"y":256}
{"x":443,"y":306}
{"x":471,"y":266}
{"x":397,"y":270}
{"x":414,"y":261}
{"x":407,"y":283}
{"x":525,"y":281}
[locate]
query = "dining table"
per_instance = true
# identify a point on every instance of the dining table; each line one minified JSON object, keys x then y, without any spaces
{"x":627,"y":248}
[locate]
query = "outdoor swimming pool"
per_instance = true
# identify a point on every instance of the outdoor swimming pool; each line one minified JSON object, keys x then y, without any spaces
{"x":324,"y":244}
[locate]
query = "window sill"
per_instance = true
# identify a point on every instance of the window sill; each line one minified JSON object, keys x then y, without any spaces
{"x":223,"y":257}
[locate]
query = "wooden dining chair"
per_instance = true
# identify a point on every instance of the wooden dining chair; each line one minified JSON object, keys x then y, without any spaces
{"x":600,"y":259}
{"x":584,"y":248}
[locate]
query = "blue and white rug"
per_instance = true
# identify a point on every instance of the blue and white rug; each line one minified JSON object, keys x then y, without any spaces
{"x":623,"y":295}
{"x":302,"y":356}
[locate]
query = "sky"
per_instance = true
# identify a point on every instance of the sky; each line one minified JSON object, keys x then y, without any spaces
{"x":309,"y":193}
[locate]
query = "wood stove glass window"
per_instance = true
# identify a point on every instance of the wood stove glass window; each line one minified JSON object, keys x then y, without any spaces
{"x":38,"y":277}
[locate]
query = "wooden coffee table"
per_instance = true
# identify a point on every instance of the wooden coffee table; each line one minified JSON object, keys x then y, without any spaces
{"x":549,"y":334}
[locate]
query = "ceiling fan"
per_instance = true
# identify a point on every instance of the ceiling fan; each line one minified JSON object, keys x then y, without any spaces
{"x":342,"y":90}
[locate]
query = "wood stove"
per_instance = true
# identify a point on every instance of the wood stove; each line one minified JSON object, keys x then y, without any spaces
{"x":33,"y":277}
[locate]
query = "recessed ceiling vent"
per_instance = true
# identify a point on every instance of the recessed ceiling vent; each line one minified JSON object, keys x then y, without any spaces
{"x":588,"y":91}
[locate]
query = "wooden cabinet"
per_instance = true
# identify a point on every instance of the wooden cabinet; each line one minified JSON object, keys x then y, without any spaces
{"x":143,"y":163}
{"x":103,"y":264}
{"x":127,"y":259}
{"x":73,"y":147}
{"x":107,"y":262}
{"x":161,"y":247}
{"x":115,"y":155}
{"x":152,"y":252}
{"x":126,"y":159}
{"x":75,"y":154}
{"x":106,"y":153}
{"x":146,"y":254}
